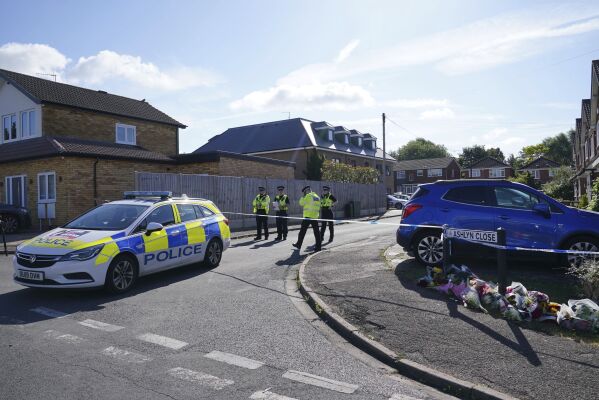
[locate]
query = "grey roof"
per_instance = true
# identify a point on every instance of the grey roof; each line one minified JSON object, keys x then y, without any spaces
{"x":488,"y":162}
{"x":586,"y":110}
{"x":321,"y":125}
{"x":46,"y":91}
{"x":216,"y":156}
{"x":48,"y":146}
{"x":540,"y":162}
{"x":425,"y":163}
{"x":288,"y":134}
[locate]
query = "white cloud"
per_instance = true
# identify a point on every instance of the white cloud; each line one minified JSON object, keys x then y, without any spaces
{"x":332,"y":95}
{"x":32,"y":58}
{"x":108,"y":65}
{"x":347,"y":50}
{"x":437,"y":113}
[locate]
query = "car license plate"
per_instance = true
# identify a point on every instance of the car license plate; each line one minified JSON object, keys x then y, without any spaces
{"x":31,"y":275}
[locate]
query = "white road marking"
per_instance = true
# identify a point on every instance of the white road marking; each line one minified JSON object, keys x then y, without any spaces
{"x":101,"y":325}
{"x":234,"y":360}
{"x":66,"y":337}
{"x":203,"y":379}
{"x":319,"y":381}
{"x":125,"y":355}
{"x":48,"y":312}
{"x":162,"y":341}
{"x":403,"y":397}
{"x":268,"y":395}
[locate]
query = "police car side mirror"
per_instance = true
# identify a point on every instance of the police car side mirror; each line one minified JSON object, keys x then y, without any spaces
{"x":153,"y":227}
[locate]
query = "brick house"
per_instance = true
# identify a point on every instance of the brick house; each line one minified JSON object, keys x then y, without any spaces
{"x":64,"y":149}
{"x":410,"y":173}
{"x":295,"y":139}
{"x":488,"y":168}
{"x":541,"y":169}
{"x":585,"y":148}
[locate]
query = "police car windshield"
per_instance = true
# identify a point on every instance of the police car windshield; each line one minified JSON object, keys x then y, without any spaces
{"x":108,"y":217}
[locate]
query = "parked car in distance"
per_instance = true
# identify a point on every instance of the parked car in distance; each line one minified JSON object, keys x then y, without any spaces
{"x":14,"y":218}
{"x":530,"y":218}
{"x":402,"y":196}
{"x":394,"y":202}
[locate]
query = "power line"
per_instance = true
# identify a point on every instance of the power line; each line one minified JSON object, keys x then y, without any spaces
{"x":399,"y":126}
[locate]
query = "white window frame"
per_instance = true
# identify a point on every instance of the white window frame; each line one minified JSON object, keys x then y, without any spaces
{"x":47,"y":199}
{"x":126,"y":127}
{"x":551,"y":172}
{"x":497,"y":173}
{"x":419,"y":172}
{"x":26,"y":132}
{"x":475,"y":173}
{"x":537,"y":174}
{"x":401,"y":174}
{"x":8,"y":189}
{"x":434,"y":172}
{"x":345,"y":139}
{"x":330,"y":135}
{"x":9,"y":117}
{"x":359,"y":142}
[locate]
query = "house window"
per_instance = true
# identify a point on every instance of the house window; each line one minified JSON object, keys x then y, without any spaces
{"x":420,"y":172}
{"x":330,"y":135}
{"x":497,"y":173}
{"x":9,"y":127}
{"x":401,"y":174}
{"x":435,"y":172}
{"x":476,"y":173}
{"x":359,"y":141}
{"x":335,"y":160}
{"x":411,"y":177}
{"x":387,"y":171}
{"x":28,"y":128}
{"x":537,"y":173}
{"x":125,"y":134}
{"x":346,"y":139}
{"x":46,"y":187}
{"x":551,"y":172}
{"x":15,"y":190}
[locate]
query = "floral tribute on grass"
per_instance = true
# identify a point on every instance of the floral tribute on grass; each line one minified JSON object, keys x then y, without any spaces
{"x":519,"y":304}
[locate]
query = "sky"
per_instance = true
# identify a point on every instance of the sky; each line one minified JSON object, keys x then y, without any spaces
{"x":458,"y":73}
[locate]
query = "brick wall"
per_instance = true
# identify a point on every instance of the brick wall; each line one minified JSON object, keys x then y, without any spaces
{"x":230,"y":166}
{"x":66,"y":121}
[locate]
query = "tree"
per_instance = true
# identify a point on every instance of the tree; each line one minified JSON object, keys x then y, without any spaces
{"x":525,"y":178}
{"x":557,"y":148}
{"x":314,"y":166}
{"x":339,"y":172}
{"x":420,"y":148}
{"x":594,"y":204}
{"x":472,"y":154}
{"x":561,"y":187}
{"x":532,"y":152}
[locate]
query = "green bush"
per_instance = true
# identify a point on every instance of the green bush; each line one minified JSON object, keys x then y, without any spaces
{"x":588,"y":274}
{"x":583,"y":202}
{"x":340,"y":172}
{"x":594,"y":204}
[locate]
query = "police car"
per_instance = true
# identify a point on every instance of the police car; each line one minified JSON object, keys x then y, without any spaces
{"x":115,"y":243}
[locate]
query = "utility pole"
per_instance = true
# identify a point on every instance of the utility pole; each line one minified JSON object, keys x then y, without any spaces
{"x":384,"y":155}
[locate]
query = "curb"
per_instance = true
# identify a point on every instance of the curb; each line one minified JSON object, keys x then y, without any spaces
{"x":442,"y":381}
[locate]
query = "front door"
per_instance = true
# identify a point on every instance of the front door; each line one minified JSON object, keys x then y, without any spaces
{"x":15,"y":190}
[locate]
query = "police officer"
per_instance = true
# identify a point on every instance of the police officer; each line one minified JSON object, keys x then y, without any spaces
{"x":282,"y":205}
{"x":261,"y":206}
{"x":310,"y":202}
{"x":327,"y":201}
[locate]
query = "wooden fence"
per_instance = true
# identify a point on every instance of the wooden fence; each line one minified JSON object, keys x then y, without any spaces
{"x":235,"y":195}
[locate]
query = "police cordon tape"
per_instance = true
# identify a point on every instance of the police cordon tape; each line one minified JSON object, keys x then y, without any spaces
{"x":374,"y":222}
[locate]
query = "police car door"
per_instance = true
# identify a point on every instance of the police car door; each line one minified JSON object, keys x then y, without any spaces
{"x":193,"y":235}
{"x":157,"y":255}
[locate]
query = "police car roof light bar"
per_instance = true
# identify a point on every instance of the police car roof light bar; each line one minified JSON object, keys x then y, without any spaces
{"x":163,"y":195}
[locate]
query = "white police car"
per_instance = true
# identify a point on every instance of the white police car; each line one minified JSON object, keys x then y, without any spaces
{"x":115,"y":243}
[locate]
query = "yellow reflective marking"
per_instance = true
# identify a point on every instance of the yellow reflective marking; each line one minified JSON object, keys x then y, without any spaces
{"x":225,"y":232}
{"x":211,"y":207}
{"x":108,"y":252}
{"x":195,"y":232}
{"x":177,"y":215}
{"x":156,"y":241}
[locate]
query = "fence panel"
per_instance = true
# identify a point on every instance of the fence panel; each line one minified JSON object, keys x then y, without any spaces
{"x":235,"y":195}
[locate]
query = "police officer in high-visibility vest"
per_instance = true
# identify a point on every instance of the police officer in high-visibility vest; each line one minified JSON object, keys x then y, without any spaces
{"x":310,"y":202}
{"x":327,"y":201}
{"x":281,"y":204}
{"x":261,"y":206}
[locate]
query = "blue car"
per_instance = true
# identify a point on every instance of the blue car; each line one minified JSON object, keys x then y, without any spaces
{"x":530,"y":218}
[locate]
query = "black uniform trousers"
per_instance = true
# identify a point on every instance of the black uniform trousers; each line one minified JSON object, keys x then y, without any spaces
{"x":327,"y":213}
{"x":261,"y":222}
{"x":306,"y":222}
{"x":281,"y":224}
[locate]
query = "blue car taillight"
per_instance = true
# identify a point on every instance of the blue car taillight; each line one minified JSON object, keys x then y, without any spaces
{"x":409,"y":209}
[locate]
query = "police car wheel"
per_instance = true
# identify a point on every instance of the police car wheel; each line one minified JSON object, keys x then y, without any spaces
{"x":214,"y":253}
{"x":121,"y":275}
{"x":428,"y":248}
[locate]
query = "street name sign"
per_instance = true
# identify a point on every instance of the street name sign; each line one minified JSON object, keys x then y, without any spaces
{"x":470,"y":235}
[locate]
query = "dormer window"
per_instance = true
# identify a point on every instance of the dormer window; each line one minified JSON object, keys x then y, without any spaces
{"x":330,"y":135}
{"x":345,"y":139}
{"x":359,"y":142}
{"x":126,"y":134}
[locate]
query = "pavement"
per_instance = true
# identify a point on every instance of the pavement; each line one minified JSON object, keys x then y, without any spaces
{"x":239,"y":331}
{"x":13,"y":240}
{"x":363,"y":287}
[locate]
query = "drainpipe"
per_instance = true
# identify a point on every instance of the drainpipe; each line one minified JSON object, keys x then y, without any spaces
{"x":96,"y":181}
